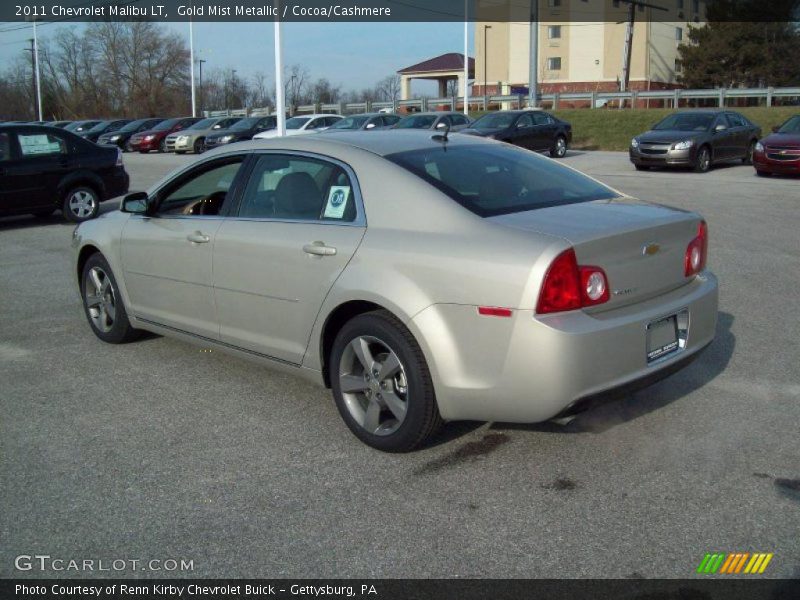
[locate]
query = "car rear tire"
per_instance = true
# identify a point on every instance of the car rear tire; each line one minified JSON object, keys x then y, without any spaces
{"x":199,"y":146}
{"x":751,"y":150}
{"x":162,"y":146}
{"x":702,"y":163}
{"x":559,"y":149}
{"x":102,"y":303}
{"x":382,"y":385}
{"x":81,"y":204}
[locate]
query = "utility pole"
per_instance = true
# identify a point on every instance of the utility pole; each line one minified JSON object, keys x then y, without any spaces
{"x":191,"y":64}
{"x":466,"y":60}
{"x":200,"y":62}
{"x":533,"y":75}
{"x":486,"y":29}
{"x":628,"y":49}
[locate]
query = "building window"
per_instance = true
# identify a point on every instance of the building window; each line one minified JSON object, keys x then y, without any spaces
{"x":554,"y":63}
{"x":680,"y":4}
{"x":553,"y":3}
{"x":554,"y":32}
{"x":696,"y":6}
{"x":615,"y":3}
{"x":679,"y":34}
{"x":678,"y":65}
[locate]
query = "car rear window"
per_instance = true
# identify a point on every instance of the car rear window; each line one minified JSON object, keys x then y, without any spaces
{"x":498,"y":179}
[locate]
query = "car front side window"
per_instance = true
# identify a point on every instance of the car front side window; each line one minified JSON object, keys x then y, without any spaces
{"x":287,"y":187}
{"x":204,"y":192}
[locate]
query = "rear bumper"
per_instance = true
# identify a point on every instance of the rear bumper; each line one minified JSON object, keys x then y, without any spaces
{"x":528,"y":368}
{"x":117,"y":184}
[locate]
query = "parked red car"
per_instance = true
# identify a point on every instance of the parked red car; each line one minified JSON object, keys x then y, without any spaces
{"x":155,"y":139}
{"x":779,"y":152}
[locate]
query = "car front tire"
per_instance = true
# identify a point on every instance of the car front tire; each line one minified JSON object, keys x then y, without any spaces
{"x":763,"y":173}
{"x":199,"y":146}
{"x":81,"y":204}
{"x":702,"y":163}
{"x":751,"y":150}
{"x":102,"y":303}
{"x":382,"y":385}
{"x":642,"y":167}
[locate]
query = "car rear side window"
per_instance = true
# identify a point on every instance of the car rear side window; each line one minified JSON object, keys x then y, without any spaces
{"x":41,"y":144}
{"x":289,"y":187}
{"x":495,"y":179}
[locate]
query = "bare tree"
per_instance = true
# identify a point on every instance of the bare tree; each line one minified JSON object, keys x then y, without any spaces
{"x":389,"y":88}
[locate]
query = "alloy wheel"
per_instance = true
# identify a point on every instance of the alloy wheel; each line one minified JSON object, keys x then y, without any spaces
{"x":82,"y":204}
{"x":100,"y":299}
{"x":374,"y":385}
{"x":561,"y":147}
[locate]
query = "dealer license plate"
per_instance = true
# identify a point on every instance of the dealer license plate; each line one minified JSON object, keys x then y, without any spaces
{"x":662,"y":338}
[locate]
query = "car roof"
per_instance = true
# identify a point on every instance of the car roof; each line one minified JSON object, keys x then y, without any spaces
{"x":380,"y":142}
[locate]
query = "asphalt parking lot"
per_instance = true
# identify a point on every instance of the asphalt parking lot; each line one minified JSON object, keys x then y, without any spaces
{"x":156,"y":450}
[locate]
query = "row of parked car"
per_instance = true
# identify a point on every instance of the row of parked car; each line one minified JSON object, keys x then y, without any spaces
{"x":533,"y":129}
{"x":73,"y":166}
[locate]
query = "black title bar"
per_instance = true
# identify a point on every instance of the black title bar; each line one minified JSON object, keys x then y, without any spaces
{"x":377,"y":11}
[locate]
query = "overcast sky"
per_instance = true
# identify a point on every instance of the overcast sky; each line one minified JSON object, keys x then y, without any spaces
{"x":355,"y":55}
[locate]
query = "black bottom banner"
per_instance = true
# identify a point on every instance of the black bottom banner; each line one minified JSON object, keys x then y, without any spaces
{"x":401,"y":589}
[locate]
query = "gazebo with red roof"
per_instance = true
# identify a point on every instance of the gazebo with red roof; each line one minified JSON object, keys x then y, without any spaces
{"x":444,"y":68}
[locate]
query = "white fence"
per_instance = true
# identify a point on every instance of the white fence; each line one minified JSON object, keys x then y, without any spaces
{"x":666,"y":98}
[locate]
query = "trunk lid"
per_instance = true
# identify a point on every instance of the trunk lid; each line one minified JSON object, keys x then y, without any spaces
{"x":640,"y":246}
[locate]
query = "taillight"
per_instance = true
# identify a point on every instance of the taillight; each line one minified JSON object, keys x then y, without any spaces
{"x":568,"y":286}
{"x":696,"y":252}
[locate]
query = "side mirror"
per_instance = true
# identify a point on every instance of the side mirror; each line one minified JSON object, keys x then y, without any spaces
{"x":370,"y":126}
{"x":441,"y":125}
{"x":776,"y":128}
{"x":719,"y":128}
{"x":137,"y":203}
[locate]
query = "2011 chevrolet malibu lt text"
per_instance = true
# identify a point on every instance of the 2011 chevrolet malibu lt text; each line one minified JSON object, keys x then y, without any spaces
{"x":421,"y":277}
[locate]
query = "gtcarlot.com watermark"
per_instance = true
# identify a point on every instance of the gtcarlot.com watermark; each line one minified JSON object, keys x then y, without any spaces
{"x":47,"y":563}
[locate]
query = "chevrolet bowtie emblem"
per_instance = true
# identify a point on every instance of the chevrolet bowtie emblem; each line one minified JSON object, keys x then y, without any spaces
{"x":650,"y":249}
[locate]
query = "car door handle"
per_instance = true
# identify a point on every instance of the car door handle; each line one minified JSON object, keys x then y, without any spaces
{"x":198,"y":238}
{"x":319,"y":249}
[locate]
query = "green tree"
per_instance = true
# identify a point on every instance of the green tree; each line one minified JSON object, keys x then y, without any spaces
{"x":752,"y":54}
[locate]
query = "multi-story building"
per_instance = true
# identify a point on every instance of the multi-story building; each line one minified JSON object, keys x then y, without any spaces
{"x":581,"y":47}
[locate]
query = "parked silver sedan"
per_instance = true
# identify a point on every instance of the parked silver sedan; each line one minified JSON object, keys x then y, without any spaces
{"x":193,"y":139}
{"x":422,"y":278}
{"x":435,"y":120}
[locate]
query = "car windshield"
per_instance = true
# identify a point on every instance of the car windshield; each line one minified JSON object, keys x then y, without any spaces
{"x":297,"y":122}
{"x":82,"y":125}
{"x":244,"y":124}
{"x":133,"y":125}
{"x":498,"y":179}
{"x":494,"y":121}
{"x":686,"y":122}
{"x":791,"y":126}
{"x":417,"y":122}
{"x":101,"y":126}
{"x":350,"y":123}
{"x":204,"y":124}
{"x":165,"y":125}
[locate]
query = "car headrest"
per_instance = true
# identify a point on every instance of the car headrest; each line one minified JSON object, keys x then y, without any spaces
{"x":498,"y":186}
{"x":297,"y":196}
